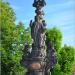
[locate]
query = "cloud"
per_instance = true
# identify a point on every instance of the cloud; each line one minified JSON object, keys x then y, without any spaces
{"x":69,"y":40}
{"x":16,"y":7}
{"x":61,"y":19}
{"x":62,"y":16}
{"x":57,"y":15}
{"x":55,"y":8}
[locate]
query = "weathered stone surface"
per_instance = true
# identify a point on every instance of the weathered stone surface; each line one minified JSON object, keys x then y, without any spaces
{"x":38,"y":61}
{"x":35,"y":66}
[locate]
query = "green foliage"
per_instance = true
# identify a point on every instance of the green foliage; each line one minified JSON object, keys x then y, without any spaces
{"x":65,"y":55}
{"x":7,"y":26}
{"x":67,"y":59}
{"x":54,"y":35}
{"x":13,"y":38}
{"x":57,"y":70}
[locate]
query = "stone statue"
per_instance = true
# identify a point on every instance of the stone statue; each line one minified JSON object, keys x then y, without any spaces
{"x":51,"y":59}
{"x":26,"y":50}
{"x":38,"y":61}
{"x":38,"y":28}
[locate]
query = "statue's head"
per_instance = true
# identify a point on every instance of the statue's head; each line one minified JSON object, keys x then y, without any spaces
{"x":26,"y":48}
{"x":38,"y":3}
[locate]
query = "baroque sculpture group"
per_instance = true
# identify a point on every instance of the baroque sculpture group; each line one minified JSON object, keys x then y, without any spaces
{"x":41,"y":58}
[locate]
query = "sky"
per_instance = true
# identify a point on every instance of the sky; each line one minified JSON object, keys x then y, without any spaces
{"x":58,"y":13}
